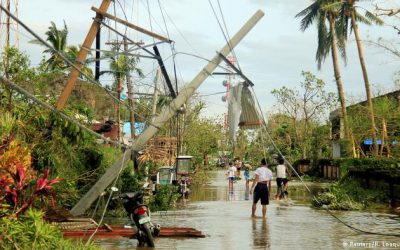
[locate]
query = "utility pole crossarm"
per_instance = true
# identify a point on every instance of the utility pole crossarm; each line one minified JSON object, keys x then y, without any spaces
{"x":130,"y":25}
{"x":166,"y":114}
{"x":238,"y":71}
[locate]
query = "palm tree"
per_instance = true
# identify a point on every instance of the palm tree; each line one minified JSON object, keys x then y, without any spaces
{"x":58,"y":39}
{"x":348,"y":11}
{"x":329,"y":40}
{"x":120,"y":66}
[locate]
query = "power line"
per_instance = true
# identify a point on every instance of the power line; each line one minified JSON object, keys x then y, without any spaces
{"x":65,"y":59}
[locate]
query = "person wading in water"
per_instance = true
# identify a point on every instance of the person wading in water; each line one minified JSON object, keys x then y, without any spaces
{"x":263,"y":178}
{"x":231,"y":173}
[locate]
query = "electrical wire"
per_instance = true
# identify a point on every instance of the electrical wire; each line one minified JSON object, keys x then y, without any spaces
{"x":304,"y":184}
{"x":227,"y":33}
{"x":109,"y":198}
{"x":53,"y":109}
{"x":65,"y":59}
{"x":179,"y":31}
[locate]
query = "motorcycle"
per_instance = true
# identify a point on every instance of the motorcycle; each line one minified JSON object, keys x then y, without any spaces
{"x":139,"y":214}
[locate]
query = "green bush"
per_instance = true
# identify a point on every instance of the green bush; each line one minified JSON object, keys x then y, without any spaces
{"x":32,"y":232}
{"x":166,"y":196}
{"x":349,"y":195}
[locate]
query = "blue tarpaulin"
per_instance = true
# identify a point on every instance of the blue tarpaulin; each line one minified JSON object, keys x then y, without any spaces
{"x":369,"y":142}
{"x":139,"y":127}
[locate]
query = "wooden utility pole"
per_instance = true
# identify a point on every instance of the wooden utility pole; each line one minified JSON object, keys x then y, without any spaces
{"x":166,"y":114}
{"x":87,"y":44}
{"x":119,"y":90}
{"x":129,"y":86}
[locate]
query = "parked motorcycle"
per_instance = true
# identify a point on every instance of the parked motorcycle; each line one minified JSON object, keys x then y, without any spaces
{"x":139,"y":214}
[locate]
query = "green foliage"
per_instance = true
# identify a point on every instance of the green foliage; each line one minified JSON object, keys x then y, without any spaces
{"x":19,"y":64}
{"x":369,"y":164}
{"x":349,"y":195}
{"x":166,"y":196}
{"x":201,"y":136}
{"x":386,"y":109}
{"x":32,"y":232}
{"x":298,"y":128}
{"x":200,"y":177}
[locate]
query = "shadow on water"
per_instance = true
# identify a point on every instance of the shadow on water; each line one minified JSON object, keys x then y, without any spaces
{"x":223,"y":215}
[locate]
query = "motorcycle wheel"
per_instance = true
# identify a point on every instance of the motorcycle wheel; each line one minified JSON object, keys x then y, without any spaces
{"x":148,"y":235}
{"x":140,"y":238}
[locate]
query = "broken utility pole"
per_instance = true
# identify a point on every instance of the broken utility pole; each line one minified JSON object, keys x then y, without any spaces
{"x":166,"y":114}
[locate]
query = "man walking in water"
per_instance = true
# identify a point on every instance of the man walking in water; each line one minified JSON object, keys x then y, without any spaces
{"x":262,"y":178}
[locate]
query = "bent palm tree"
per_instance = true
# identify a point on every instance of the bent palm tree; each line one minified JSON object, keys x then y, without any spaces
{"x":348,"y":11}
{"x":329,"y":40}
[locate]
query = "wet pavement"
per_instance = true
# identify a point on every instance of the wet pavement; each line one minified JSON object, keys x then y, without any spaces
{"x":224,"y":217}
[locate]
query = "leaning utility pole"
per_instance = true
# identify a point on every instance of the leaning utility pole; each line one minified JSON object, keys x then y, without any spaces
{"x":87,"y":44}
{"x":166,"y":114}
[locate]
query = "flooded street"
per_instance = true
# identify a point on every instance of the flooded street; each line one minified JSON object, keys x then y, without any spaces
{"x":224,"y":217}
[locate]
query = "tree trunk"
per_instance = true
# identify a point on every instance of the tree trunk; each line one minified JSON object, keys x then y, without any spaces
{"x":366,"y":82}
{"x":385,"y":135}
{"x":338,"y":77}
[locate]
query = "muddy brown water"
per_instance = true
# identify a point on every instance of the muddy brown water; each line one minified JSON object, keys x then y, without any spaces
{"x":224,"y":217}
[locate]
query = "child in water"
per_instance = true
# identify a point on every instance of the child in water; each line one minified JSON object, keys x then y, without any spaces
{"x":247,"y":175}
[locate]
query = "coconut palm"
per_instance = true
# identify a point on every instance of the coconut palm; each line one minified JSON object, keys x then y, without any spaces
{"x":120,"y":66}
{"x":58,"y":40}
{"x":349,"y":17}
{"x":329,"y":40}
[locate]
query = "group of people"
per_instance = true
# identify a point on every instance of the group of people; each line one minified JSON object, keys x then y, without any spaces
{"x":261,"y":185}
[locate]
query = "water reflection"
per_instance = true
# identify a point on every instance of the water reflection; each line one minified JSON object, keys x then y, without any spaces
{"x":224,"y":217}
{"x":260,"y":233}
{"x":247,"y":192}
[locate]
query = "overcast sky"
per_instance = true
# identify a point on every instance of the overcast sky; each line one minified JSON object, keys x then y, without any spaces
{"x":272,"y":55}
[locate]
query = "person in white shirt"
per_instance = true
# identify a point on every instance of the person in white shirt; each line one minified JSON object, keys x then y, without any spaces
{"x":231,"y":173}
{"x":281,"y":179}
{"x":263,"y":178}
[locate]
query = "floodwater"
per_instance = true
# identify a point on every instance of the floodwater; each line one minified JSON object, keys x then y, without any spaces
{"x":224,"y":217}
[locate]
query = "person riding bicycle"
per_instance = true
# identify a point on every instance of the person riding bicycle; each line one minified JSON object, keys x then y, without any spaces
{"x":281,"y":179}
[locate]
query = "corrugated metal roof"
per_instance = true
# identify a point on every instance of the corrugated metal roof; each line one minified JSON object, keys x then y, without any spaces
{"x":249,"y":117}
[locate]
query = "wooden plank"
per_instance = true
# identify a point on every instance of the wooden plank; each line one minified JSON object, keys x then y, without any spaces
{"x":118,"y":231}
{"x":130,"y":25}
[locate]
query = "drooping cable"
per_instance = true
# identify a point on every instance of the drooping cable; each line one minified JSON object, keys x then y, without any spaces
{"x":227,"y":32}
{"x":65,"y":59}
{"x":109,"y":198}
